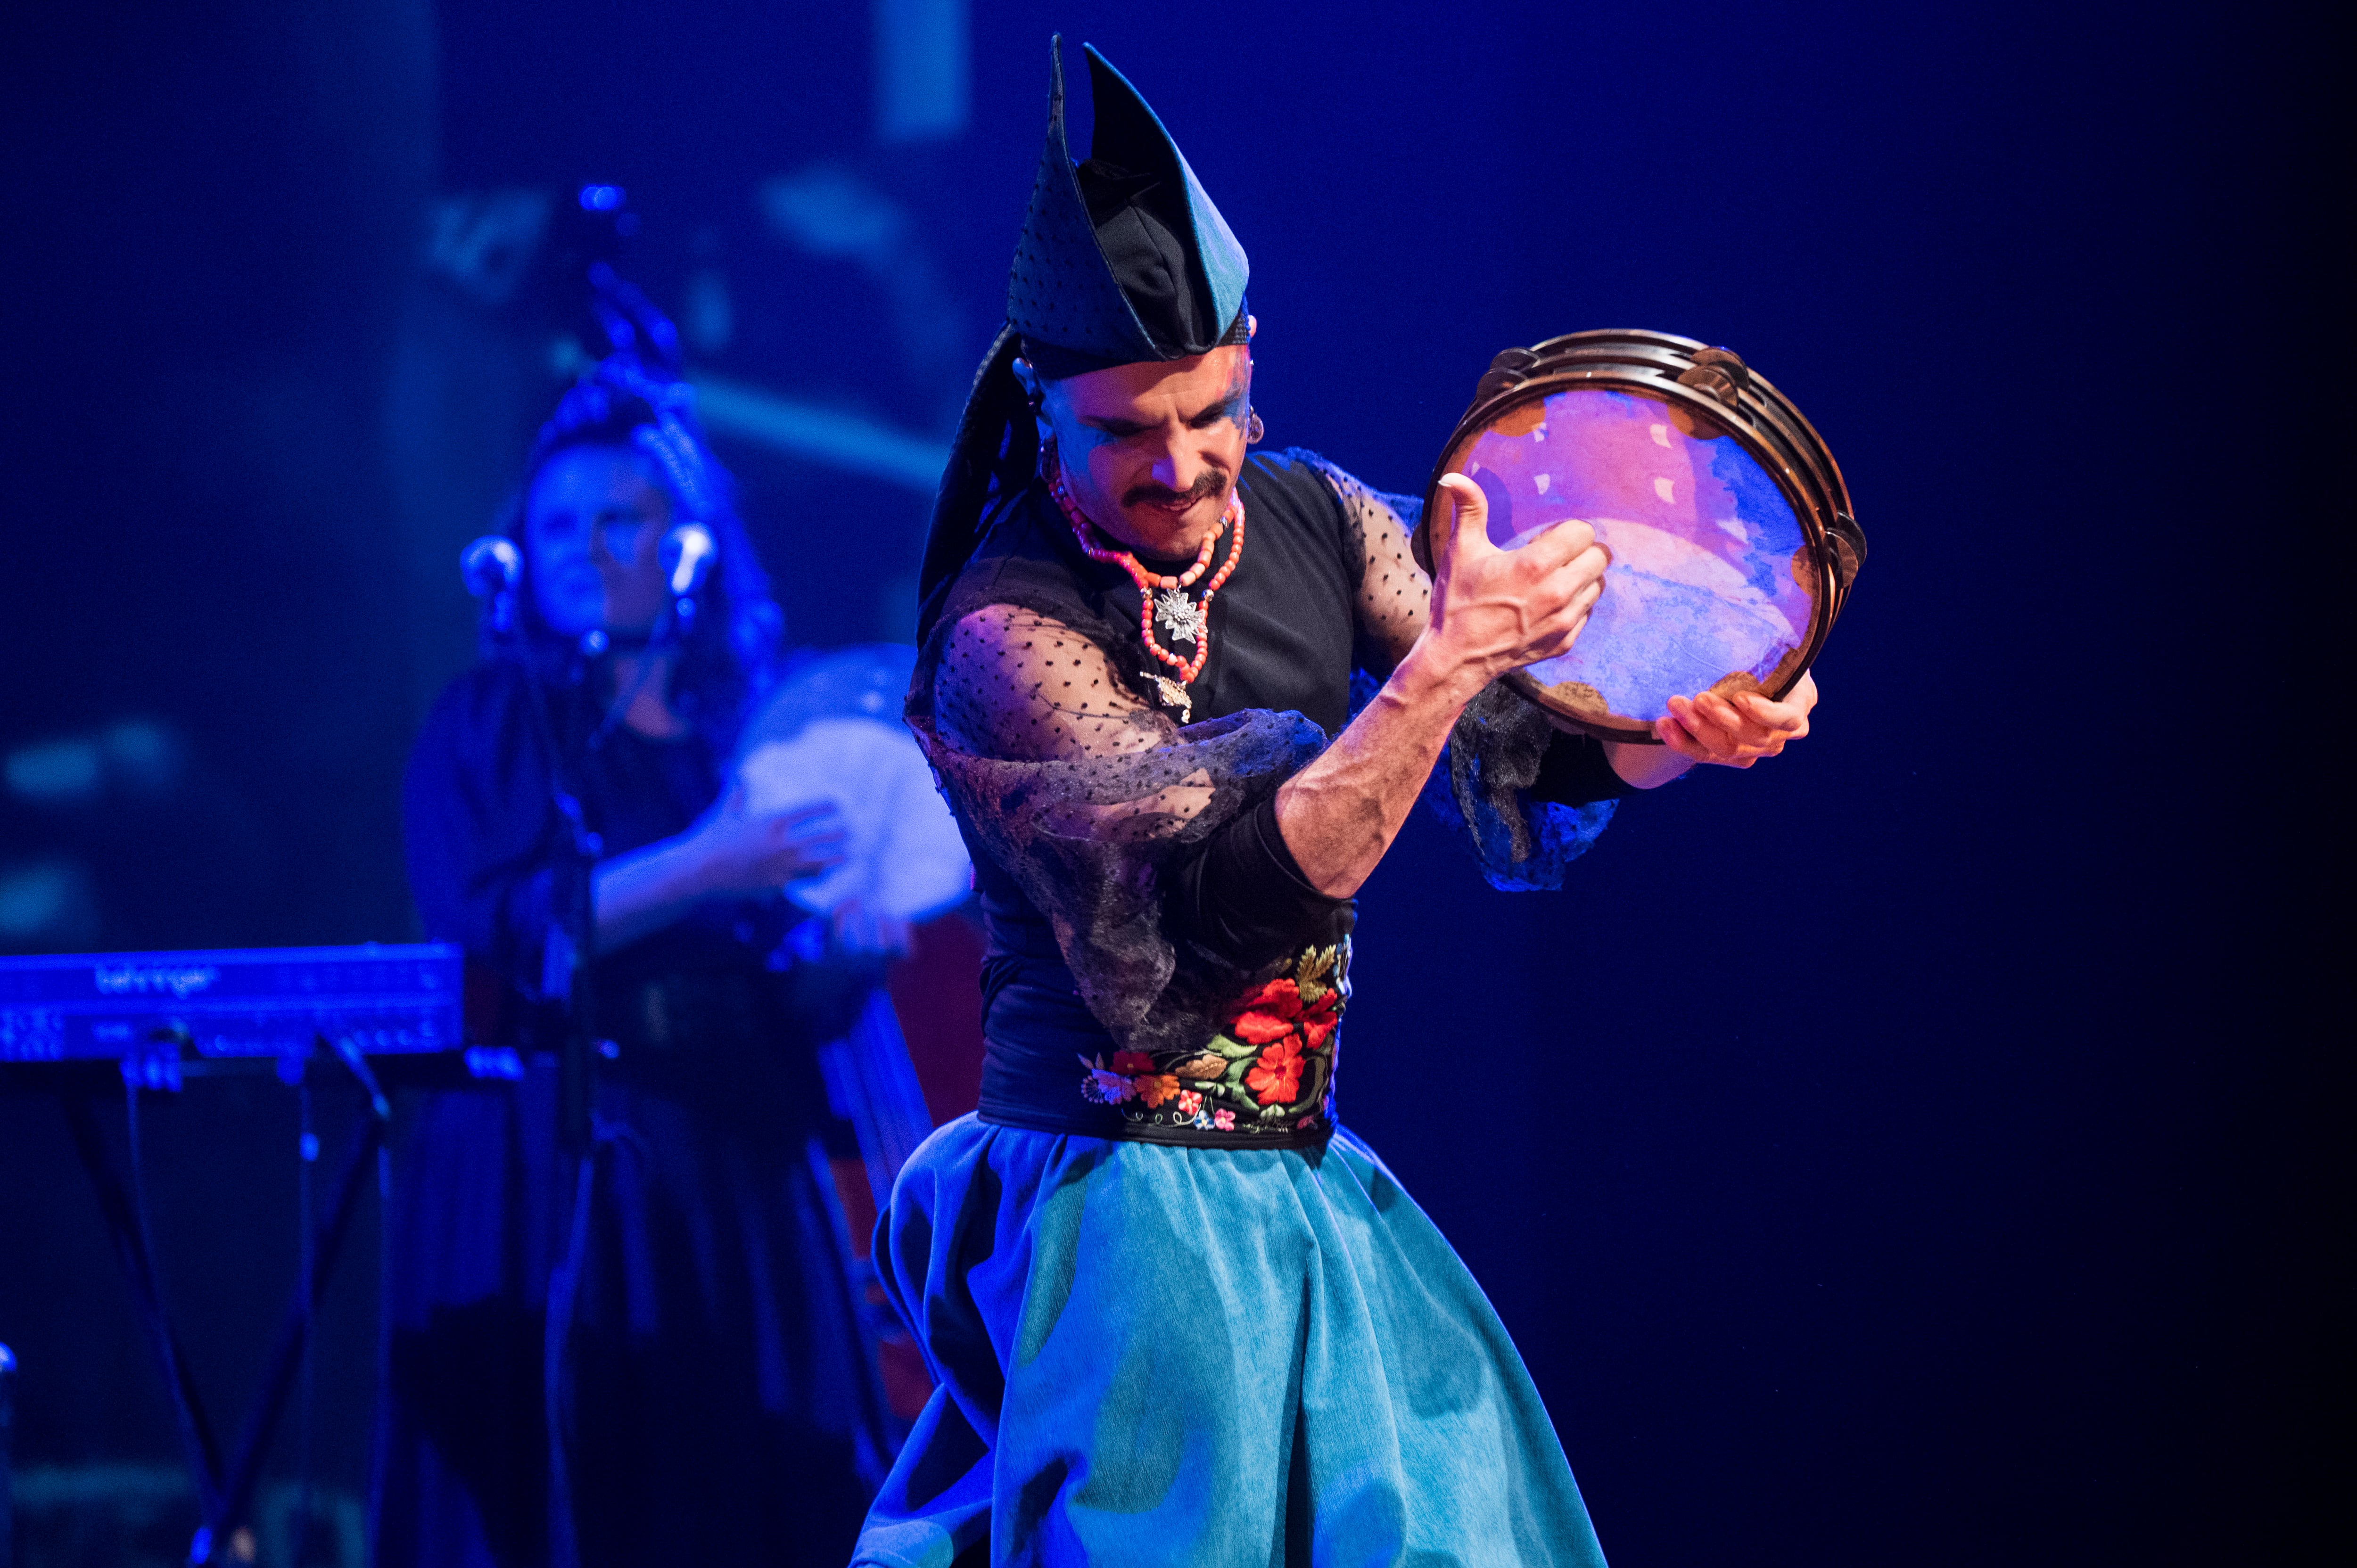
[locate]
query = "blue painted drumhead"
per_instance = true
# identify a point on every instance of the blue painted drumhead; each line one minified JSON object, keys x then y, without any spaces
{"x":1713,"y":583}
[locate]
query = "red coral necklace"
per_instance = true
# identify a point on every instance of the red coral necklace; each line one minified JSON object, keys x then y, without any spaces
{"x":1188,"y":620}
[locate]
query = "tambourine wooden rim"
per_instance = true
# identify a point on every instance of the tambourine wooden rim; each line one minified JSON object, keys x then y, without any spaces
{"x":1711,"y":384}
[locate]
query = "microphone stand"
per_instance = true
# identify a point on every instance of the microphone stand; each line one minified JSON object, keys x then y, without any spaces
{"x":567,"y":969}
{"x":573,"y":944}
{"x":568,"y":958}
{"x":570,"y":945}
{"x":572,"y":940}
{"x":567,"y":976}
{"x":576,"y":875}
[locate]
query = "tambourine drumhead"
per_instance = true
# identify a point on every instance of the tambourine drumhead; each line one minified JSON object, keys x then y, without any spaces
{"x":1713,"y":584}
{"x":830,"y":734}
{"x":1733,"y":546}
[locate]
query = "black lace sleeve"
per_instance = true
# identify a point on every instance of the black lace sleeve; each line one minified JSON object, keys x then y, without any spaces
{"x":1089,"y":799}
{"x":1528,"y":798}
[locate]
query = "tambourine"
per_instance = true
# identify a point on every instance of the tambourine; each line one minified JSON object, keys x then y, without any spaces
{"x":1733,"y":545}
{"x":831,"y":732}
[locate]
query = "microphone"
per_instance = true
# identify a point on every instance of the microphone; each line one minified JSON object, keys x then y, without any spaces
{"x":688,"y":552}
{"x":687,"y":555}
{"x":491,"y":566}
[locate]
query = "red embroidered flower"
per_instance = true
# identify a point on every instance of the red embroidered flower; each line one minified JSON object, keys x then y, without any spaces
{"x":1266,"y":1016}
{"x":1275,"y":1077}
{"x":1132,"y":1062}
{"x":1319,"y":1018}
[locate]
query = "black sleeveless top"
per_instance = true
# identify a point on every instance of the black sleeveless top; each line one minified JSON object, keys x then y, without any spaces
{"x":1282,"y":632}
{"x":1237,"y":1047}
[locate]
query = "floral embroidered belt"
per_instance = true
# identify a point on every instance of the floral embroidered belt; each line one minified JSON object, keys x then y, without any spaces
{"x":1266,"y":1080}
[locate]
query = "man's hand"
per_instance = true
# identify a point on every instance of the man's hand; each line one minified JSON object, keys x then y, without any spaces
{"x":1736,"y":732}
{"x":1495,"y":610}
{"x":1733,"y":732}
{"x":1492,"y":610}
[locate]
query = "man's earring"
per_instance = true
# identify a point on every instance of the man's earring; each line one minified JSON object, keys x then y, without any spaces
{"x":1253,"y":429}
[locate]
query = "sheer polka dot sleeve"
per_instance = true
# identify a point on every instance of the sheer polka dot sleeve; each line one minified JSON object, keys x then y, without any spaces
{"x":1488,"y":785}
{"x":1394,"y":593}
{"x":1087,"y":798}
{"x":1025,"y":687}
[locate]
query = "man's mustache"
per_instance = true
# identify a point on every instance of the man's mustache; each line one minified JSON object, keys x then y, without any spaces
{"x":1212,"y":483}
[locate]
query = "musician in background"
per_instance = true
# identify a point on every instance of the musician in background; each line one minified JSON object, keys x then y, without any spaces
{"x":687,"y":1313}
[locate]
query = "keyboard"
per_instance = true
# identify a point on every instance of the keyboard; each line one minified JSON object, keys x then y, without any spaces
{"x":231,"y":1002}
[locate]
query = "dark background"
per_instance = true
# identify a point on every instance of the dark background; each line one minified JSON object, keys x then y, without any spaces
{"x":1907,"y":1152}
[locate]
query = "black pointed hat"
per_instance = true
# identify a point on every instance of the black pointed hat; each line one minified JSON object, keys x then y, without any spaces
{"x":1123,"y":258}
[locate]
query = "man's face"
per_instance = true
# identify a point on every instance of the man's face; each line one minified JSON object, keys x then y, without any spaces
{"x":1151,"y":451}
{"x":593,"y":533}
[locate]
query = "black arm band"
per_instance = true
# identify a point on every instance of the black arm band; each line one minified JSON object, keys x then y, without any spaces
{"x":1576,"y":772}
{"x":1243,"y":896}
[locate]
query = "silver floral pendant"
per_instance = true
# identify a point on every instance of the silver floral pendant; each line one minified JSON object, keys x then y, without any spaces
{"x":1171,"y":694}
{"x":1181,"y":617}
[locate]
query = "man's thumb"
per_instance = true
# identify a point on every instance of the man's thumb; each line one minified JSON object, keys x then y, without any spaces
{"x":1467,"y":526}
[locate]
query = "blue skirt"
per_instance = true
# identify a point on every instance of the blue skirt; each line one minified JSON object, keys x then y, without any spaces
{"x":1149,"y":1354}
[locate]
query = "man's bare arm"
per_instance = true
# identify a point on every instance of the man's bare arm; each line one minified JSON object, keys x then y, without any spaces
{"x":1395,"y":606}
{"x":1492,"y":610}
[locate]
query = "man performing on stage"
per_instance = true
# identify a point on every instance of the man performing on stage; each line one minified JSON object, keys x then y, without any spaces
{"x":1175,"y":1313}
